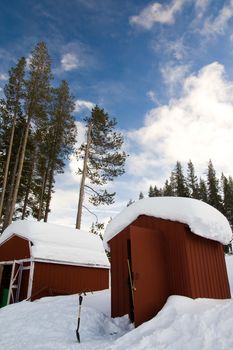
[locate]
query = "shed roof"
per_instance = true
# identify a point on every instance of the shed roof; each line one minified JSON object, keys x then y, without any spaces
{"x":59,"y":243}
{"x":202,"y":219}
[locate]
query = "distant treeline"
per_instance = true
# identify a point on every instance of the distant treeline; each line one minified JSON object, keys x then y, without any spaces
{"x":215,"y":191}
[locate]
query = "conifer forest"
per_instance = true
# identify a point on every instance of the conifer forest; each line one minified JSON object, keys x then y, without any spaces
{"x":38,"y":134}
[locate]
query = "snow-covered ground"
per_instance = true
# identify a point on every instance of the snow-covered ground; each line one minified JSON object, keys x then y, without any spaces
{"x":50,"y":323}
{"x":183,"y":324}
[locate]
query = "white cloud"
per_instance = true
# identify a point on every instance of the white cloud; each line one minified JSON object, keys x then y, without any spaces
{"x":198,"y":126}
{"x":157,"y":13}
{"x":3,"y":76}
{"x":177,"y":48}
{"x":152,"y":96}
{"x":201,"y":6}
{"x":83,"y":104}
{"x":76,"y":55}
{"x":217,"y":25}
{"x":70,"y":61}
{"x":174,"y":75}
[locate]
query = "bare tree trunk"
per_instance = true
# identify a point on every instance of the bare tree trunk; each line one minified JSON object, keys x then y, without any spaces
{"x":28,"y":187}
{"x":12,"y":184}
{"x":19,"y":172}
{"x":84,"y":174}
{"x":7,"y":166}
{"x":49,"y":191}
{"x":45,"y":177}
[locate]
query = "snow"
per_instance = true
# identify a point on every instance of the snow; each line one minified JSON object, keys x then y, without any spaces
{"x":50,"y":323}
{"x":229,"y":265}
{"x":183,"y":323}
{"x":202,"y":219}
{"x":59,"y":243}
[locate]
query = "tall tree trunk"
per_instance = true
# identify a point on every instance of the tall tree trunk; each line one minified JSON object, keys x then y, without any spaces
{"x":12,"y":184}
{"x":7,"y":167}
{"x":13,"y":93}
{"x":28,"y":186}
{"x":19,"y":172}
{"x":49,"y":192}
{"x":84,"y":174}
{"x":44,"y":182}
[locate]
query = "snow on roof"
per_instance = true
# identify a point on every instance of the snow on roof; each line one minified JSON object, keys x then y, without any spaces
{"x":202,"y":219}
{"x":59,"y":243}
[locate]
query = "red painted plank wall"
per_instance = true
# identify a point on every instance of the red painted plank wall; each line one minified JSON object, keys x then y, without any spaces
{"x":14,"y":248}
{"x":58,"y":279}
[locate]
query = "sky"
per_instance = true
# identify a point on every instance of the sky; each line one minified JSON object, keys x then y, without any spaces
{"x":163,"y":69}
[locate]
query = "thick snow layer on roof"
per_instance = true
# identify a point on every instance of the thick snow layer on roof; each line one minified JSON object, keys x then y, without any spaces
{"x":60,"y":243}
{"x":202,"y":219}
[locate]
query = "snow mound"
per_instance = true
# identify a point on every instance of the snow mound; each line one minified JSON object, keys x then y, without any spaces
{"x":50,"y":323}
{"x":60,"y":243}
{"x":202,"y":219}
{"x":184,"y":323}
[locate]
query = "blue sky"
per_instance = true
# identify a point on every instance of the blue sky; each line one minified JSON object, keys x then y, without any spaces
{"x":163,"y":69}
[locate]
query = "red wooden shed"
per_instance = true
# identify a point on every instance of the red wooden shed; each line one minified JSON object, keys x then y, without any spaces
{"x":40,"y":259}
{"x":166,"y":246}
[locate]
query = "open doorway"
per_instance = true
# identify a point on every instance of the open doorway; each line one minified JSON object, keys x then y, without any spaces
{"x":5,"y":277}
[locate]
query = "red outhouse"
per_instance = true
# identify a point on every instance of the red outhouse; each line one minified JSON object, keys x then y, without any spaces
{"x":166,"y":246}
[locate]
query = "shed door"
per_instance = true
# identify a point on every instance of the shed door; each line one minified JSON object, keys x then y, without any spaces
{"x":148,"y":271}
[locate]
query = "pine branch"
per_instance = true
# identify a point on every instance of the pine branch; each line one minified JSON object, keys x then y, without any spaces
{"x":91,"y":212}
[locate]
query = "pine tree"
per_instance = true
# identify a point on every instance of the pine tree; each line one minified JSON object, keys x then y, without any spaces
{"x":14,"y":92}
{"x":157,"y":192}
{"x":168,"y":190}
{"x":192,"y":181}
{"x":151,"y":192}
{"x":63,"y":134}
{"x":154,"y":192}
{"x":214,"y":197}
{"x":97,"y":228}
{"x":55,"y":143}
{"x":102,"y":157}
{"x":181,"y":189}
{"x":227,"y":186}
{"x":37,"y":97}
{"x":141,"y":196}
{"x":203,"y":195}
